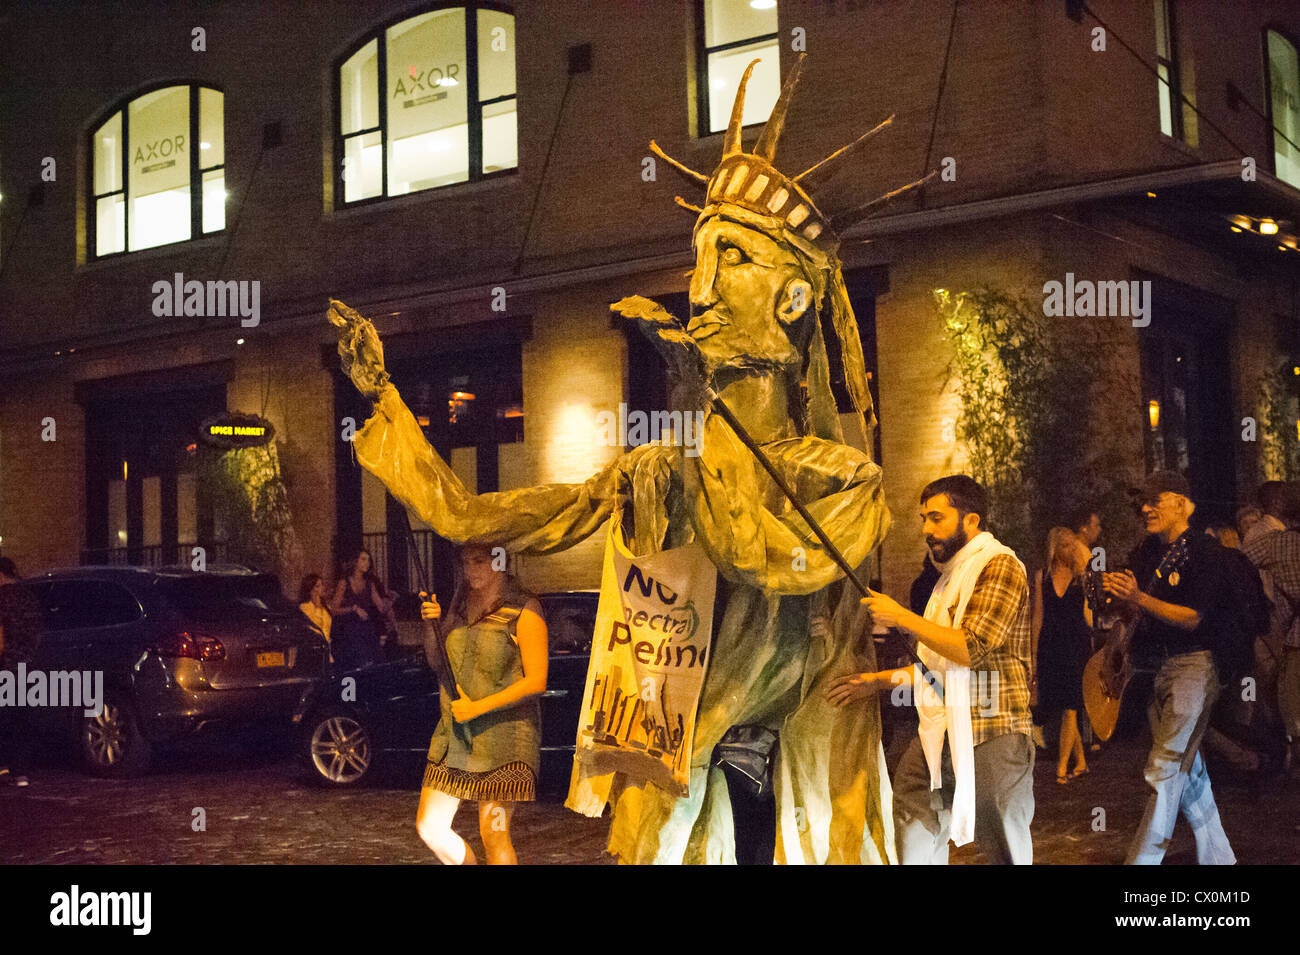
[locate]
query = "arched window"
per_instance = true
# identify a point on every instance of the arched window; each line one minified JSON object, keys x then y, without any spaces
{"x":1284,"y":105}
{"x":428,"y":101}
{"x":149,"y":184}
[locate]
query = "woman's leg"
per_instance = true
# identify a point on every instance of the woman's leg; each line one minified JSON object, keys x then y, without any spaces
{"x":1067,"y":741}
{"x":494,"y":827}
{"x":433,"y":822}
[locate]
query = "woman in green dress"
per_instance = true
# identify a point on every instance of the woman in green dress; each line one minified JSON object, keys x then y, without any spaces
{"x":486,"y":746}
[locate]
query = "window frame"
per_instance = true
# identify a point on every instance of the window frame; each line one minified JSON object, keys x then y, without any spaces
{"x":702,"y":67}
{"x":197,"y":170}
{"x":1268,"y":89}
{"x":1175,"y":81}
{"x":473,"y":106}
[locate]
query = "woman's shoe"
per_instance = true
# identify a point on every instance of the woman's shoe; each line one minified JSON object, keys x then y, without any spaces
{"x":1062,"y":778}
{"x":1079,"y":772}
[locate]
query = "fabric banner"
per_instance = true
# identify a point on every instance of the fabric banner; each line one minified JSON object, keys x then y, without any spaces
{"x":649,"y":654}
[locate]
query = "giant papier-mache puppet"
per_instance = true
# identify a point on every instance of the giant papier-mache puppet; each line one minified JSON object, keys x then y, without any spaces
{"x":770,"y":320}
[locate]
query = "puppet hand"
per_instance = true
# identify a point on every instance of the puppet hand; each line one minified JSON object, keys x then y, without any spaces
{"x":670,"y":338}
{"x":360,"y":351}
{"x":430,"y":609}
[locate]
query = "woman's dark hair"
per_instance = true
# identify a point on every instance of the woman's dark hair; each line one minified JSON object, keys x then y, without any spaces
{"x":1081,"y":517}
{"x":307,"y":586}
{"x":350,"y":567}
{"x":964,"y":493}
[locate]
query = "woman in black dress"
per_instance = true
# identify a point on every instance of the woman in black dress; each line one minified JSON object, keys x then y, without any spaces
{"x":1063,"y":639}
{"x":358,"y":608}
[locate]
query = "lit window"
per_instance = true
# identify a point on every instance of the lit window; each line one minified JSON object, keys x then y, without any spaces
{"x":1175,"y":78}
{"x":171,"y":143}
{"x":445,"y":112}
{"x":733,"y":33}
{"x":1284,"y":106}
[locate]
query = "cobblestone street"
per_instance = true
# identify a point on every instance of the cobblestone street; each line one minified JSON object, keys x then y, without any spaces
{"x":260,"y":809}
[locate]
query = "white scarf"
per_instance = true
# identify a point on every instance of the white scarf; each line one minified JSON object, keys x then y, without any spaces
{"x":951,"y":716}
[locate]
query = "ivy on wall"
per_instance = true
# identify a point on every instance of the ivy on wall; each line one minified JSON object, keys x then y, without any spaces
{"x":251,"y":504}
{"x":1279,"y":425}
{"x":1026,"y":396}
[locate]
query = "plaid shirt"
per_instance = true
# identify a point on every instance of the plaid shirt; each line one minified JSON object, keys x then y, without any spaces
{"x":1278,"y":552}
{"x":996,"y":624}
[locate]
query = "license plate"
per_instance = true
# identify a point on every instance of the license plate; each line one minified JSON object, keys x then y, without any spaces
{"x":270,"y":659}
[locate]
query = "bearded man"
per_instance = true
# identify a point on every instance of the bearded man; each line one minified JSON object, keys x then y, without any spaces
{"x":970,"y":771}
{"x":769,"y":310}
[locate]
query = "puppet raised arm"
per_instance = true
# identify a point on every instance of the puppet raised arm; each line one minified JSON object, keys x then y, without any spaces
{"x":391,"y":446}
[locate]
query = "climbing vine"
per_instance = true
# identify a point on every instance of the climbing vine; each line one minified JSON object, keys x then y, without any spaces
{"x":1025,"y":391}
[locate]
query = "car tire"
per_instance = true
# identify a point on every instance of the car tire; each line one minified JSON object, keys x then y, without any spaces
{"x":339,"y":748}
{"x":112,"y":745}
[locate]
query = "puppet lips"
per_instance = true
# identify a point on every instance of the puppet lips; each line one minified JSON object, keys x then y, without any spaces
{"x":705,"y":325}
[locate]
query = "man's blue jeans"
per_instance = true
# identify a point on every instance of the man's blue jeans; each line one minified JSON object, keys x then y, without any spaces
{"x":1185,"y":690}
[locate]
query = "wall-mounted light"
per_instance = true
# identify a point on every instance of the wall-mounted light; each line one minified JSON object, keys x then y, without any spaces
{"x":1153,"y":413}
{"x":1267,"y":227}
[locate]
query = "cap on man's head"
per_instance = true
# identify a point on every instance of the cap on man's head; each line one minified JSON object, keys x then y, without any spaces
{"x":1160,"y":482}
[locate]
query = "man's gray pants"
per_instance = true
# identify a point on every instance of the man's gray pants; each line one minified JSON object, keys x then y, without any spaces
{"x":1186,"y":687}
{"x":1004,"y":803}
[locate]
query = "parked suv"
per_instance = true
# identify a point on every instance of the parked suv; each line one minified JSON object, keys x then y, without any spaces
{"x":390,"y":709}
{"x":181,"y":651}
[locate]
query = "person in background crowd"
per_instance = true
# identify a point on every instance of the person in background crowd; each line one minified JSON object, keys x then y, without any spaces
{"x":1273,"y":497}
{"x":21,"y":626}
{"x":1240,"y":732}
{"x":1086,"y":524}
{"x":1277,"y":557}
{"x":1225,"y":534}
{"x":496,"y":643}
{"x":1062,"y":639}
{"x":1179,"y":587}
{"x":977,"y":760}
{"x":358,"y":611}
{"x":1248,"y":515}
{"x":311,"y":601}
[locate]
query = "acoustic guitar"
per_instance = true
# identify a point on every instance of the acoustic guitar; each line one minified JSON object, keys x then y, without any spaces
{"x":1107,"y":673}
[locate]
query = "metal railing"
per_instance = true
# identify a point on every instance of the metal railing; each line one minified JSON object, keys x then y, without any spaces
{"x":152,"y":555}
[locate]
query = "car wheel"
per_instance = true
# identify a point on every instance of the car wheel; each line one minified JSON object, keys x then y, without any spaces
{"x":112,"y":744}
{"x":341,"y":749}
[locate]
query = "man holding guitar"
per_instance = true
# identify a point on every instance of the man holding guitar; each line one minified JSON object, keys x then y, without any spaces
{"x":1181,"y":604}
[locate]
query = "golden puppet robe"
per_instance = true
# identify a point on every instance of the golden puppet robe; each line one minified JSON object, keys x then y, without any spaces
{"x":788,"y":626}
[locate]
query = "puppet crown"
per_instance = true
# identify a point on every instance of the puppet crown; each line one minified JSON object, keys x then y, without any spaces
{"x":752,"y":181}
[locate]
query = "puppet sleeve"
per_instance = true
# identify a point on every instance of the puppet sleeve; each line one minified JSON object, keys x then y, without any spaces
{"x":534,"y":520}
{"x":754,"y":535}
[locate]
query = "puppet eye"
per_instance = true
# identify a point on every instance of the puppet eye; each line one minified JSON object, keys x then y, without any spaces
{"x":732,"y":255}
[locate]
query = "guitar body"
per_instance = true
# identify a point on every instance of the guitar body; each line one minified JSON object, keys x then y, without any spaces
{"x":1106,"y":676}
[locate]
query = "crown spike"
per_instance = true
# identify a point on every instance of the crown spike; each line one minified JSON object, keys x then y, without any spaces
{"x":731,"y":144}
{"x":824,"y":165}
{"x":686,"y":205}
{"x":857,"y":214}
{"x":684,"y":170}
{"x":766,"y":146}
